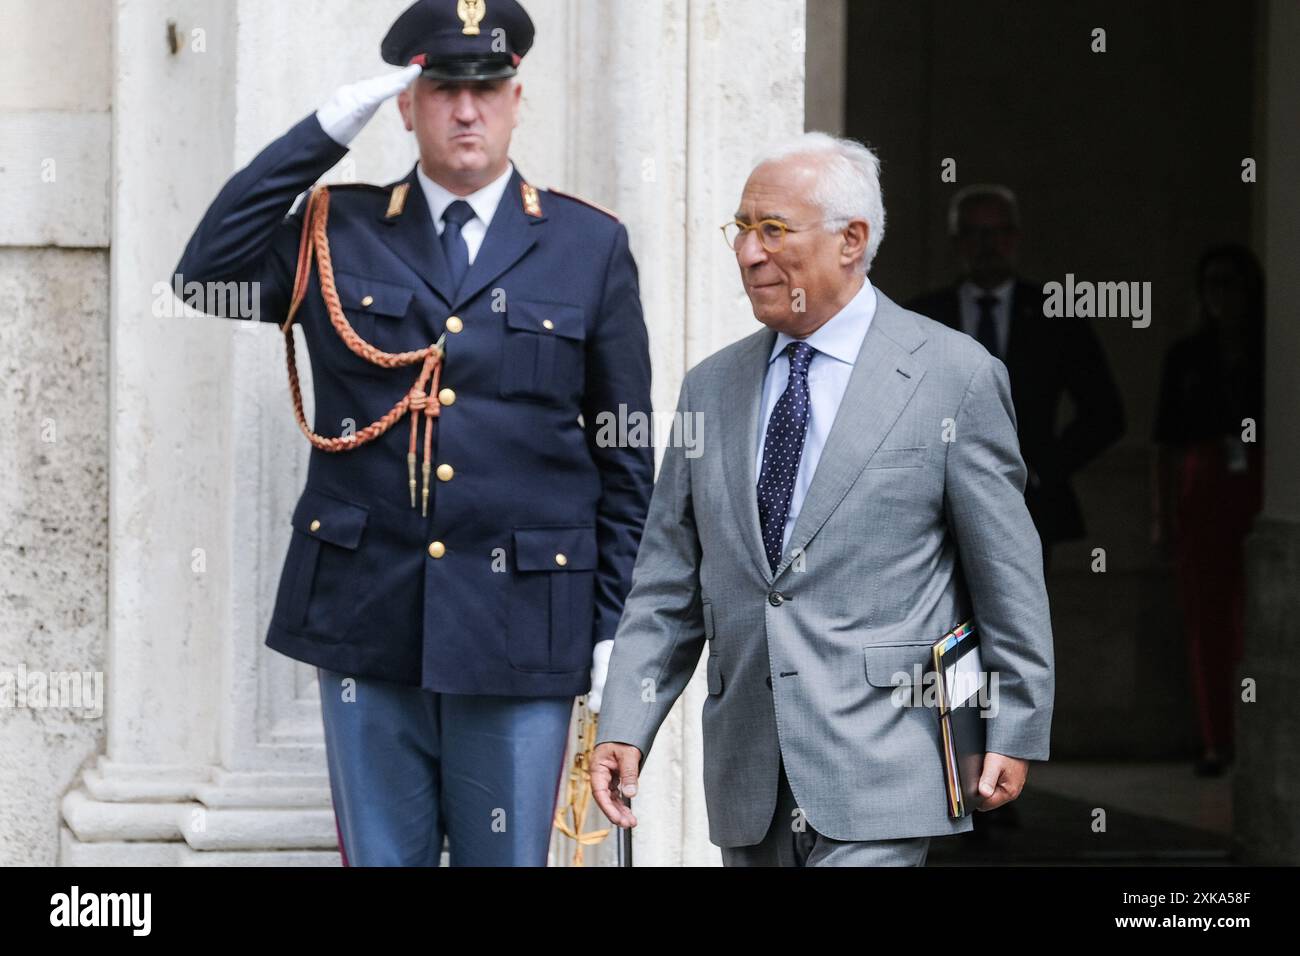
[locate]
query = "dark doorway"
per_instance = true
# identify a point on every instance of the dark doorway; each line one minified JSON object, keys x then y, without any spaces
{"x":1127,"y":165}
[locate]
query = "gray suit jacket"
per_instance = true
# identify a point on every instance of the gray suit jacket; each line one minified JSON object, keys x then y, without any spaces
{"x":914,"y":520}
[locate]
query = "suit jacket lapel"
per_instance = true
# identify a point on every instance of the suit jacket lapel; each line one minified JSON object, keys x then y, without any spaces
{"x":883,"y":380}
{"x":509,"y":237}
{"x":412,"y":235}
{"x":743,"y":385}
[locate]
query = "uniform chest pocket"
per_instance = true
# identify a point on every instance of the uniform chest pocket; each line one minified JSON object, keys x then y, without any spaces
{"x":542,"y":357}
{"x":374,"y":308}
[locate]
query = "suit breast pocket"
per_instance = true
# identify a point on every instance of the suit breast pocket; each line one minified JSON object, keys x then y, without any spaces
{"x":910,"y":457}
{"x":542,"y":356}
{"x":377,"y":310}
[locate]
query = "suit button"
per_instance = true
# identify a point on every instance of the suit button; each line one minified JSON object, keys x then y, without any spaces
{"x":561,"y":560}
{"x":446,"y":472}
{"x":775,"y":598}
{"x":454,"y":324}
{"x":315,"y":525}
{"x":769,"y":681}
{"x":437,"y":549}
{"x":548,"y":325}
{"x":367,"y":302}
{"x":446,"y":397}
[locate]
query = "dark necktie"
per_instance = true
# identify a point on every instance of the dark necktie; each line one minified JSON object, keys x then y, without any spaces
{"x":453,"y":243}
{"x":987,"y":330}
{"x":782,"y":449}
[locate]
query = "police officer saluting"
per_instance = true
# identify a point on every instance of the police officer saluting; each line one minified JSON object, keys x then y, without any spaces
{"x":464,"y":544}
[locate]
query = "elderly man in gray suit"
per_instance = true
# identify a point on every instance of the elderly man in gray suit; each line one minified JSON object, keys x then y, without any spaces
{"x":859,"y":492}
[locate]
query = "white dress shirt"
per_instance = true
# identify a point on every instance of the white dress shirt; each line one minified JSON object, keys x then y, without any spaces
{"x":970,"y":294}
{"x":484,"y":203}
{"x":837,"y":343}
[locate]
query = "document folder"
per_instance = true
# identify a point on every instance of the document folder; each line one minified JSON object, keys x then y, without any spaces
{"x":962,"y":685}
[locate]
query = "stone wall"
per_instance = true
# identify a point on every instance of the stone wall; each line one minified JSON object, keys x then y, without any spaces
{"x":55,"y":132}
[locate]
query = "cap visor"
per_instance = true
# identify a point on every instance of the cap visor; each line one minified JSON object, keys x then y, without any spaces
{"x":468,"y":71}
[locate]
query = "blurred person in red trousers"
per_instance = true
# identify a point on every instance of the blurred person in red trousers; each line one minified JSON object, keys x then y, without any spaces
{"x":1208,"y":479}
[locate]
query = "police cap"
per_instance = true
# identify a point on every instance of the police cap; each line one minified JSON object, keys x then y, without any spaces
{"x":461,"y":39}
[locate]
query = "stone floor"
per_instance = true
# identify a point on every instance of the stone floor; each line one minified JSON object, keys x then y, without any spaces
{"x":1156,"y":814}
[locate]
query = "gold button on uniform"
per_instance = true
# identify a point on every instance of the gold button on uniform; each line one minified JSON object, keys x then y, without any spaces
{"x":454,"y":324}
{"x":437,"y":549}
{"x":561,"y":560}
{"x":447,"y":397}
{"x":548,"y":324}
{"x":315,"y":526}
{"x":367,"y":302}
{"x":446,"y":472}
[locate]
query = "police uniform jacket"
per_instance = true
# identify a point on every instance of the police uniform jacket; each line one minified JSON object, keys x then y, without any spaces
{"x":526,"y":554}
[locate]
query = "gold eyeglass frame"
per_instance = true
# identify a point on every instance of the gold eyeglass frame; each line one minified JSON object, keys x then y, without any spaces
{"x":734,"y":245}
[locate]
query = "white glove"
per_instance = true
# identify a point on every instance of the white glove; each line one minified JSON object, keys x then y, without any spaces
{"x":351,"y":107}
{"x":599,"y":669}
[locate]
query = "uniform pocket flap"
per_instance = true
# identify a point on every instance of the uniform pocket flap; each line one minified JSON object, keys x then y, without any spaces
{"x":362,"y":294}
{"x":889,"y":665}
{"x":706,"y":611}
{"x":555,"y":549}
{"x":550,"y":318}
{"x":330,"y":519}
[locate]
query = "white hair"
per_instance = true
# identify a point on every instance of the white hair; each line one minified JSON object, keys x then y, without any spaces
{"x":980,"y":192}
{"x":848,"y":186}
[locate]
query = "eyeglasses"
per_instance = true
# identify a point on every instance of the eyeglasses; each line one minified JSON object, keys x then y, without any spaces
{"x":771,"y":232}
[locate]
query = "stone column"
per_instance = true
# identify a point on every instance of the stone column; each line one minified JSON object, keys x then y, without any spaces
{"x":828,"y":52}
{"x":694,"y":90}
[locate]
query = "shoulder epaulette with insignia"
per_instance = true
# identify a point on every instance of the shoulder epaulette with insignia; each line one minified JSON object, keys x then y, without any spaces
{"x":397,"y":200}
{"x":532,"y":203}
{"x":586,"y":202}
{"x":356,"y":187}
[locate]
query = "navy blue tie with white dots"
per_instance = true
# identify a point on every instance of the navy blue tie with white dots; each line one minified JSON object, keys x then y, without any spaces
{"x":782,"y":449}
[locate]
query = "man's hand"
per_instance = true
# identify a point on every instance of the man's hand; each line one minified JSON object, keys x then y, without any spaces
{"x":1002,"y":780}
{"x":351,"y":107}
{"x":599,"y":671}
{"x":610,"y":762}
